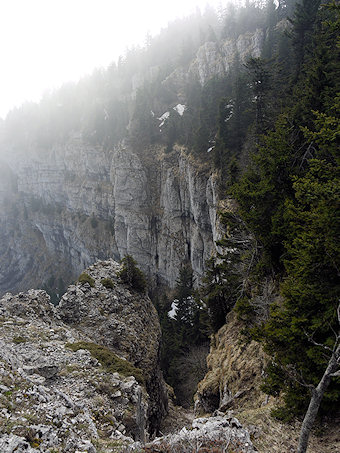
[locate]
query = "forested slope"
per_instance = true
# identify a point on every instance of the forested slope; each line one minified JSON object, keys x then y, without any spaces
{"x":241,"y":110}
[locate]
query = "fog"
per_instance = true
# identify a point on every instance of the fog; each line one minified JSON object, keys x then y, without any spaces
{"x":48,"y":42}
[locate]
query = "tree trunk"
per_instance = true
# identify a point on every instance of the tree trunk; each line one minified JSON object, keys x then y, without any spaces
{"x":316,"y":399}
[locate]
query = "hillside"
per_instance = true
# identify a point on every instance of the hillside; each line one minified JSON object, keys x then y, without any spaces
{"x":210,"y":159}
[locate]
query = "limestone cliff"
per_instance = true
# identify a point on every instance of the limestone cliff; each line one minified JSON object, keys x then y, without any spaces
{"x":67,"y":204}
{"x":76,"y":204}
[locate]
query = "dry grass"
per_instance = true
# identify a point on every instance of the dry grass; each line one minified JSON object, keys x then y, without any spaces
{"x":271,"y":436}
{"x":236,"y":366}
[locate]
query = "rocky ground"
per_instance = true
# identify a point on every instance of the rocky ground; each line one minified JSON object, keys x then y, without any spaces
{"x":54,"y":399}
{"x":84,"y":376}
{"x":216,"y":434}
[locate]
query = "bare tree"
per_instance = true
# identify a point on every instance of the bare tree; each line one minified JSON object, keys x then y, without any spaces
{"x":332,"y":370}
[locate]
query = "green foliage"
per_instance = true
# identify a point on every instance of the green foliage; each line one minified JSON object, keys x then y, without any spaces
{"x":303,"y":22}
{"x":86,"y":278}
{"x":216,"y":292}
{"x":225,"y":278}
{"x":183,"y":337}
{"x":311,"y":218}
{"x":312,"y":287}
{"x":259,"y":76}
{"x":244,"y":310}
{"x":211,"y":94}
{"x":188,"y":317}
{"x":108,"y":359}
{"x":107,"y":282}
{"x":132,"y":275}
{"x":262,"y":190}
{"x":19,"y":339}
{"x":289,"y":198}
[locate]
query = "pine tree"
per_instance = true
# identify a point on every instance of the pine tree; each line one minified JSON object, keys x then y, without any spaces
{"x":290,"y":199}
{"x":132,"y":275}
{"x":303,"y":22}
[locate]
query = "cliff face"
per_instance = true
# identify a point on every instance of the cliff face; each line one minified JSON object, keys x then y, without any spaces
{"x":76,"y":204}
{"x":67,"y":205}
{"x":56,"y":391}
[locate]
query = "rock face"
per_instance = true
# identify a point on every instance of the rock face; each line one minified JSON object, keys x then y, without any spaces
{"x":54,"y":392}
{"x":77,"y":204}
{"x":70,"y":204}
{"x":215,"y":58}
{"x":124,"y":321}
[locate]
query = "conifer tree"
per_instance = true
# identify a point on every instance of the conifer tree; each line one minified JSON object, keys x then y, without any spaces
{"x":132,"y":275}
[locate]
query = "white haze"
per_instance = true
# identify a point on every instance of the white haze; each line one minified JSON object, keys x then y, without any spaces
{"x":45,"y":43}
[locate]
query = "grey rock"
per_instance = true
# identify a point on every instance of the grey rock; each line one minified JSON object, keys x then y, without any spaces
{"x":220,"y":430}
{"x":74,"y":399}
{"x":10,"y":443}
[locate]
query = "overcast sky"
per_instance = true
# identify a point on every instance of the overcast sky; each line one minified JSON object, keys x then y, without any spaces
{"x":44,"y":43}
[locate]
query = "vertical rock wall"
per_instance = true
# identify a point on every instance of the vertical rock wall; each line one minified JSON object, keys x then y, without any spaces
{"x":82,"y":204}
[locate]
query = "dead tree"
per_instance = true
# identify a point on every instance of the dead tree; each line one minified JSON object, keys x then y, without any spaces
{"x":332,"y":370}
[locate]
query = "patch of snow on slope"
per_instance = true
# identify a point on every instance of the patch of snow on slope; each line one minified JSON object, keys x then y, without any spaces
{"x":163,"y":118}
{"x":180,"y":109}
{"x":173,"y":311}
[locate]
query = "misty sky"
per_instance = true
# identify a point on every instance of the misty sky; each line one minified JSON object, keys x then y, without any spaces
{"x":47,"y":42}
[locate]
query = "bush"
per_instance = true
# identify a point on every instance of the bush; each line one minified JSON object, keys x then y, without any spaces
{"x":19,"y":339}
{"x":244,"y":310}
{"x":107,"y":282}
{"x":108,"y":359}
{"x":132,"y":275}
{"x":85,"y":278}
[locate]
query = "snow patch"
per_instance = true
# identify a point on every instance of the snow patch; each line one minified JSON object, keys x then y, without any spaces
{"x":173,"y":311}
{"x":163,"y":118}
{"x":180,"y":109}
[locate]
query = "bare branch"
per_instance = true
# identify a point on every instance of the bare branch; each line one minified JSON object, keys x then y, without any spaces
{"x":311,"y":340}
{"x":336,"y":374}
{"x":297,"y":377}
{"x":336,"y":334}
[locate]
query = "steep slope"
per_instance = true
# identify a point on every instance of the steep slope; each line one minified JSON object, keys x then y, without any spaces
{"x":232,"y":387}
{"x":83,"y":204}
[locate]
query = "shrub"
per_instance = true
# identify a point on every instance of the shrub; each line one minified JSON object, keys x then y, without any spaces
{"x":244,"y":310}
{"x":85,"y":278}
{"x":108,"y":359}
{"x":132,"y":275}
{"x":107,"y":282}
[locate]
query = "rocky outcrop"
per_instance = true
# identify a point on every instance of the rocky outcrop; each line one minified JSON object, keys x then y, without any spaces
{"x":124,"y":321}
{"x":214,"y":59}
{"x":218,"y":433}
{"x":56,"y":392}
